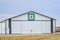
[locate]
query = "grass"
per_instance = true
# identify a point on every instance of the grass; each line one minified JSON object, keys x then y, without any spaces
{"x":32,"y":37}
{"x":55,"y":36}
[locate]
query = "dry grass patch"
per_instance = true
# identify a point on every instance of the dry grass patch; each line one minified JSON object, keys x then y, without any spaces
{"x":32,"y":37}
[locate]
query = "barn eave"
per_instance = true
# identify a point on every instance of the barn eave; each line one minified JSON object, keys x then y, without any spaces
{"x":27,"y":13}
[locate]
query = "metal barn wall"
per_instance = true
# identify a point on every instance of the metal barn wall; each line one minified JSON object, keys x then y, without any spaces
{"x":7,"y":27}
{"x":25,"y":17}
{"x":36,"y":27}
{"x":21,"y":25}
{"x":16,"y":27}
{"x":31,"y":27}
{"x":54,"y":26}
{"x":26,"y":27}
{"x":43,"y":27}
{"x":46,"y":26}
{"x":2,"y":27}
{"x":22,"y":17}
{"x":40,"y":17}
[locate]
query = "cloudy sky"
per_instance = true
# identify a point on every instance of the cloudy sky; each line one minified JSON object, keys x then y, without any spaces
{"x":9,"y":8}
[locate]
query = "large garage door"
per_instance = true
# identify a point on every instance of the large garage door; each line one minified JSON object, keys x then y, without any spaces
{"x":36,"y":27}
{"x":30,"y":27}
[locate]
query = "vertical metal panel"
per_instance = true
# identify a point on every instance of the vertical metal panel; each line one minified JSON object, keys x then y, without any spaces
{"x":26,"y":27}
{"x":16,"y":27}
{"x":54,"y":25}
{"x":51,"y":25}
{"x":36,"y":27}
{"x":3,"y":27}
{"x":9,"y":26}
{"x":46,"y":27}
{"x":0,"y":28}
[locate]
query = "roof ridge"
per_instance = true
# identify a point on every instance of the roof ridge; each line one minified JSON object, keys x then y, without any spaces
{"x":27,"y":13}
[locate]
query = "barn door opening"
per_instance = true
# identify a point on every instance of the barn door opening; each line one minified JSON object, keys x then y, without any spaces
{"x":31,"y":27}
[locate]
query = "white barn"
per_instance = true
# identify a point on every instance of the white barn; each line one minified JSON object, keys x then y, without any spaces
{"x":28,"y":23}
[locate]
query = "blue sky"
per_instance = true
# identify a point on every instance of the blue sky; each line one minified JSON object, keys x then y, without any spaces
{"x":9,"y":8}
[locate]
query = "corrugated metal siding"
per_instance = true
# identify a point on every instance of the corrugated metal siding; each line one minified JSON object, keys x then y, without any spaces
{"x":16,"y":27}
{"x":4,"y":27}
{"x":25,"y":17}
{"x":36,"y":27}
{"x":7,"y":26}
{"x":39,"y":17}
{"x":54,"y":26}
{"x":2,"y":30}
{"x":46,"y":26}
{"x":28,"y":27}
